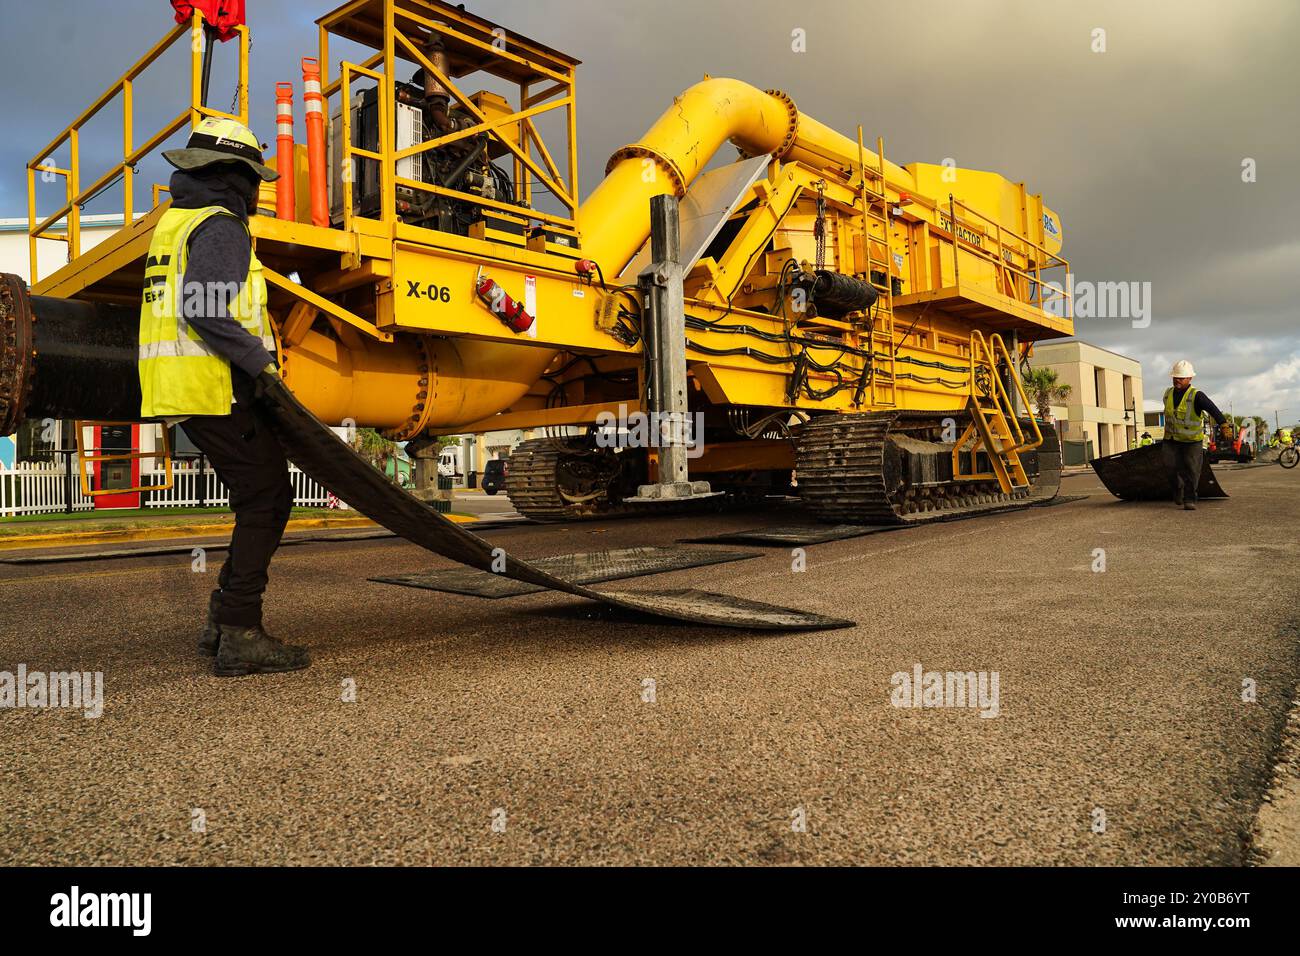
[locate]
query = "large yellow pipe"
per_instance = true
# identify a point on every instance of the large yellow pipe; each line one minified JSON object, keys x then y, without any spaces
{"x":412,"y":383}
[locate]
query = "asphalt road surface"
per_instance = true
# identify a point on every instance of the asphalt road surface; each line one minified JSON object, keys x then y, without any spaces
{"x":543,"y":729}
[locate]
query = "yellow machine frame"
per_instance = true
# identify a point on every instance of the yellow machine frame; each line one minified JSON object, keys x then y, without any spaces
{"x":360,"y":336}
{"x":385,"y":24}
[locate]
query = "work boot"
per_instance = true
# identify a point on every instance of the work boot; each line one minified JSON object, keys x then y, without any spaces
{"x":211,"y":635}
{"x":1189,"y":506}
{"x":1178,"y":499}
{"x":250,"y":650}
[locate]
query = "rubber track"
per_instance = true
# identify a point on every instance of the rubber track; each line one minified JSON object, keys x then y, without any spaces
{"x":841,"y":471}
{"x":331,"y":462}
{"x":532,"y":488}
{"x":533,"y":491}
{"x":530,"y":482}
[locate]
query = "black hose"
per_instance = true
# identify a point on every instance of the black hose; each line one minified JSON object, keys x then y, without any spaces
{"x":463,"y":166}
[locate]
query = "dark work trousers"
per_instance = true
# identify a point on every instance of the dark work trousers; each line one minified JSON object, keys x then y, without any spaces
{"x":249,"y":460}
{"x":1183,"y":463}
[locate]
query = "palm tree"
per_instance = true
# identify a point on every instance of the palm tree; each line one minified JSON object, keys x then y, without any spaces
{"x":375,"y":448}
{"x":1044,"y":390}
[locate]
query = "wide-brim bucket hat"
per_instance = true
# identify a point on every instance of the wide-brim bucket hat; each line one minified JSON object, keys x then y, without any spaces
{"x":221,"y":141}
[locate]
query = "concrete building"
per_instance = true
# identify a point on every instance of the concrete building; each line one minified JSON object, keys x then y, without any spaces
{"x":1104,"y":406}
{"x":51,"y":254}
{"x":1155,"y":424}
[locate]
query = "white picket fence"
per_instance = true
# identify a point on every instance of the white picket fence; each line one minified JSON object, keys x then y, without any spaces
{"x":39,"y":487}
{"x":187,"y":480}
{"x":42,"y":488}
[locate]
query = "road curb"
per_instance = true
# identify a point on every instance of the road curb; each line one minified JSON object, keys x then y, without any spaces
{"x":127,"y":535}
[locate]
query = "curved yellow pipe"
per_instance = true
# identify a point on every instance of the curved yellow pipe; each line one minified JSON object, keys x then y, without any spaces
{"x":375,"y":386}
{"x":473,"y":380}
{"x":615,"y":219}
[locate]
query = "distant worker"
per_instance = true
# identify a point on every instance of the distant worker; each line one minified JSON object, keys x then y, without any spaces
{"x":1183,"y":444}
{"x":1146,"y":439}
{"x":204,"y":344}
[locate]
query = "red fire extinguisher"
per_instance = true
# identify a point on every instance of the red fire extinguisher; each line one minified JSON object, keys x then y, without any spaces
{"x":510,"y":312}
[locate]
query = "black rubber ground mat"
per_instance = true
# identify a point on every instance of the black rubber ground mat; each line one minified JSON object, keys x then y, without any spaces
{"x":1141,"y":475}
{"x":329,"y":460}
{"x":793,"y":536}
{"x":587,"y":567}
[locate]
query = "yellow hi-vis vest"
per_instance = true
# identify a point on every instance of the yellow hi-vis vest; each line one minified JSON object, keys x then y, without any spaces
{"x":179,"y":374}
{"x":1183,"y":423}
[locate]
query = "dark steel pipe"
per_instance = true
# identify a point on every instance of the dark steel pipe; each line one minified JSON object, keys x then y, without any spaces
{"x":65,"y":358}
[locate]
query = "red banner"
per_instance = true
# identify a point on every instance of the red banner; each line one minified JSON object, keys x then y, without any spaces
{"x":224,"y":15}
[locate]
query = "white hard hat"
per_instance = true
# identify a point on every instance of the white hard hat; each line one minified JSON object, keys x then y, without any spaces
{"x":1182,"y":369}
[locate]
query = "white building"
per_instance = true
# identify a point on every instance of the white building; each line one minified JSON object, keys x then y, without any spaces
{"x":477,"y":450}
{"x":52,"y":255}
{"x":1104,"y":406}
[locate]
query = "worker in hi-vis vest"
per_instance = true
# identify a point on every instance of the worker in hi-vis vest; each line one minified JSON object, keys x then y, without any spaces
{"x":1184,"y":441}
{"x":206,"y":352}
{"x":1146,"y":440}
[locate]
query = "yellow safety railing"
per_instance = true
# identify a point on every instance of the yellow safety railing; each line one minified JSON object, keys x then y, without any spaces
{"x":76,"y":196}
{"x":884,"y":307}
{"x":1023,"y":284}
{"x":350,"y":152}
{"x":1034,"y":291}
{"x":533,"y":160}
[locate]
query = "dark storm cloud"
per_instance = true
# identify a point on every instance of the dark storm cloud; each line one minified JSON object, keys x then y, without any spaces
{"x":1138,"y":148}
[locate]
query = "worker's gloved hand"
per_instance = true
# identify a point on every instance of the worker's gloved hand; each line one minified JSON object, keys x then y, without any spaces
{"x":266,"y":379}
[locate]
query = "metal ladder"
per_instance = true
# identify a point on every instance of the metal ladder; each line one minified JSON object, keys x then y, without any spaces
{"x":884,"y":306}
{"x":994,"y":427}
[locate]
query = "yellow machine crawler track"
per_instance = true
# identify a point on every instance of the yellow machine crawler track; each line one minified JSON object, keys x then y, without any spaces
{"x":888,"y":468}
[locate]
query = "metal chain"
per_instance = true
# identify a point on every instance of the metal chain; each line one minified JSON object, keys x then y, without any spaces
{"x":234,"y":100}
{"x":819,"y":227}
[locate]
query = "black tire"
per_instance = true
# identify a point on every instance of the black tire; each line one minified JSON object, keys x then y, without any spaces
{"x":1290,"y":457}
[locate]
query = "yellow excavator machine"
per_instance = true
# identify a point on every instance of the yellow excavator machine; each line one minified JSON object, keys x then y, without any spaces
{"x":783,"y":305}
